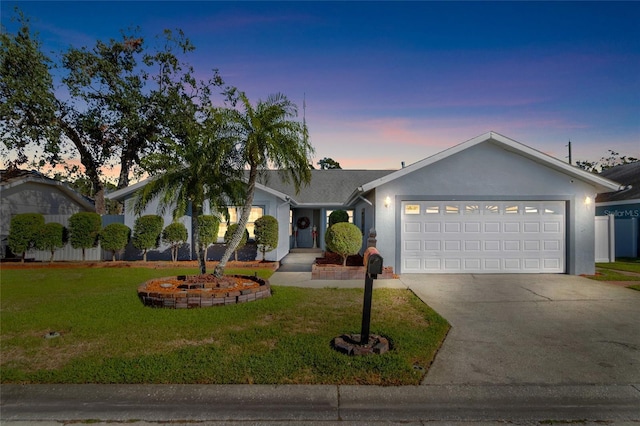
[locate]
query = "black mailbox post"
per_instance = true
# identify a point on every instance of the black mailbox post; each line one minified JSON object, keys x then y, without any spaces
{"x":373,"y":264}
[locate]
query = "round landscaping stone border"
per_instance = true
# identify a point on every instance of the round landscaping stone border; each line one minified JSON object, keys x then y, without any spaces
{"x":201,"y":296}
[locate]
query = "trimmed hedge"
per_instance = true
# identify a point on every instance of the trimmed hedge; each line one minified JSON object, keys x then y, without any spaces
{"x":51,"y":236}
{"x":146,"y":233}
{"x":175,"y":234}
{"x":266,"y":232}
{"x":23,"y":232}
{"x":343,"y":238}
{"x":338,"y":216}
{"x":114,"y":238}
{"x":84,"y":230}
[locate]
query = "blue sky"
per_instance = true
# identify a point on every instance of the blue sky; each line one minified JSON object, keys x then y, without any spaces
{"x":387,"y":82}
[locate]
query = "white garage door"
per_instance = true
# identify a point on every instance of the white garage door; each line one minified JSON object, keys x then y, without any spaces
{"x":483,"y":237}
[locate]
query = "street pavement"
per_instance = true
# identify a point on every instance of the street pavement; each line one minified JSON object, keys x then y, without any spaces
{"x":523,"y":349}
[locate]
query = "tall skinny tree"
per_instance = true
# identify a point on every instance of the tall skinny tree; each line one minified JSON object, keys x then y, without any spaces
{"x":265,"y":136}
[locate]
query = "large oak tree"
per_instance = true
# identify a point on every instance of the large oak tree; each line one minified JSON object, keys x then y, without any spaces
{"x":106,"y":106}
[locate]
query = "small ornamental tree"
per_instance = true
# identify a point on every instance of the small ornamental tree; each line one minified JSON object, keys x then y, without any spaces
{"x":338,"y":216}
{"x":84,"y":230}
{"x":266,"y":232}
{"x":51,"y":236}
{"x":175,"y":235}
{"x":208,"y":226}
{"x":229,"y":234}
{"x":115,"y":237}
{"x":23,"y":232}
{"x":345,"y":239}
{"x":146,"y":233}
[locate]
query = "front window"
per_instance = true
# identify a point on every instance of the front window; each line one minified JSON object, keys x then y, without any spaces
{"x":234,"y":217}
{"x":349,"y":212}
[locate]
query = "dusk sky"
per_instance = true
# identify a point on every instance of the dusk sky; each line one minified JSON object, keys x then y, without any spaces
{"x":387,"y":82}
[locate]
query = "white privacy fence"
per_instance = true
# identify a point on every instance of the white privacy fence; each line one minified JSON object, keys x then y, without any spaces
{"x":605,"y":239}
{"x":67,"y":252}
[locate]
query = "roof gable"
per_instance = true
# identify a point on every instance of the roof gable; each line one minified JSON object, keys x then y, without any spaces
{"x":602,"y":184}
{"x":15,"y":178}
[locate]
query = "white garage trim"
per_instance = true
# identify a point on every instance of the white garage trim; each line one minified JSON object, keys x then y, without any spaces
{"x":483,"y":237}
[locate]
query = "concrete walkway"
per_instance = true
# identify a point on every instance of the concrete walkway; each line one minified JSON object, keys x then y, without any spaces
{"x":526,"y":349}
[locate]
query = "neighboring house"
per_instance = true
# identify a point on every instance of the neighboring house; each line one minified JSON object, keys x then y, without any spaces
{"x":624,"y":206}
{"x":488,"y":205}
{"x":28,"y":191}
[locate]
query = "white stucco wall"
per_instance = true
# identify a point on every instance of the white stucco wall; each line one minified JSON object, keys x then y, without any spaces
{"x":488,"y":172}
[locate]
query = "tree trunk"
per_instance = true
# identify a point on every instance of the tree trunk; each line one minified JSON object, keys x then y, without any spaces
{"x":113,"y":256}
{"x":51,"y":258}
{"x":242,"y":224}
{"x":90,"y":166}
{"x":200,"y":252}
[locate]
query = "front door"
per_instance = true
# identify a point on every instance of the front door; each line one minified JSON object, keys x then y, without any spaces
{"x":304,"y":223}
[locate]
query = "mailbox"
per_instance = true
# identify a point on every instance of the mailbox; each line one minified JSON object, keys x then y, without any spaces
{"x":373,"y":262}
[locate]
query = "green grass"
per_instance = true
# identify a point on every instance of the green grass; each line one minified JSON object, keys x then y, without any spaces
{"x":108,"y":336}
{"x":628,"y":265}
{"x":611,"y":271}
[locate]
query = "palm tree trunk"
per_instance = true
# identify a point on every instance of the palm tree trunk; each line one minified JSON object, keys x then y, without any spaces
{"x":200,"y":251}
{"x":242,"y":223}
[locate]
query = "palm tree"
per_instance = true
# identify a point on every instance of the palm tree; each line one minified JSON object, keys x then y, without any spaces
{"x":195,"y":168}
{"x":265,"y":137}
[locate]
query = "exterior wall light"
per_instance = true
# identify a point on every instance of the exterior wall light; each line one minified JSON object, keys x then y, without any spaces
{"x":587,"y":201}
{"x":387,"y":201}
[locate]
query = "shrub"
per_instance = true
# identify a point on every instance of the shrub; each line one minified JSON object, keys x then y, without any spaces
{"x":343,"y":238}
{"x":208,"y":226}
{"x":23,"y":232}
{"x":84,"y":230}
{"x":175,"y":235}
{"x":266,"y":232}
{"x":338,"y":216}
{"x":146,"y":233}
{"x":228,"y":235}
{"x":115,"y":237}
{"x":51,"y":236}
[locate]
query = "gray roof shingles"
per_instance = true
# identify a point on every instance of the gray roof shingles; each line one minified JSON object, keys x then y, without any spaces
{"x":327,"y":187}
{"x":626,"y":174}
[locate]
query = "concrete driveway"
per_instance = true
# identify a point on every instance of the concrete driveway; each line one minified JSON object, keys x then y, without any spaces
{"x":532,"y":329}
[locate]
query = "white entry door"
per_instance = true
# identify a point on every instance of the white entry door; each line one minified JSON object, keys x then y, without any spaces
{"x":483,"y":237}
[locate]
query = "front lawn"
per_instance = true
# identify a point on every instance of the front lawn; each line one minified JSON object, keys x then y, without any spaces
{"x":108,"y":336}
{"x":620,"y":270}
{"x":627,"y":264}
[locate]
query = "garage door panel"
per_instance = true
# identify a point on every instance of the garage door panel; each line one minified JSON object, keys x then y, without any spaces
{"x":512,"y":227}
{"x":452,"y":227}
{"x":412,"y":245}
{"x":412,"y":227}
{"x":472,"y":227}
{"x":472,"y":245}
{"x":551,"y":227}
{"x":483,"y":237}
{"x":432,"y":245}
{"x":452,"y":245}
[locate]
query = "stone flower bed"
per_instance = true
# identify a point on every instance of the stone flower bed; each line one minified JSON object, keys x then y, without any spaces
{"x":196,"y":291}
